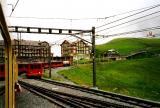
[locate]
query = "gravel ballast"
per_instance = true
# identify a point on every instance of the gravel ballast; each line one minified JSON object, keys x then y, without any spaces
{"x":26,"y":99}
{"x":71,"y":91}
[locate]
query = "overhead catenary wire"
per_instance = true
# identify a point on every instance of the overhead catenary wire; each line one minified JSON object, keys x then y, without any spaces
{"x":131,"y":32}
{"x":81,"y":38}
{"x":59,"y":43}
{"x":136,"y":23}
{"x":62,"y":39}
{"x":14,"y":8}
{"x":75,"y":37}
{"x":98,"y":18}
{"x":129,"y":16}
{"x":128,"y":21}
{"x":130,"y":11}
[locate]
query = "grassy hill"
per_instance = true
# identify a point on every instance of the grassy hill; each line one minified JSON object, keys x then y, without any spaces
{"x":127,"y":46}
{"x":138,"y":77}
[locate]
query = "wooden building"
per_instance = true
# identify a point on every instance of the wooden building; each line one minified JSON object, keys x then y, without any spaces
{"x":78,"y":49}
{"x":29,"y":50}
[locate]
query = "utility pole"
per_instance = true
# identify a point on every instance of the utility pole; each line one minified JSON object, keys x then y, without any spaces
{"x":93,"y":57}
{"x":49,"y":60}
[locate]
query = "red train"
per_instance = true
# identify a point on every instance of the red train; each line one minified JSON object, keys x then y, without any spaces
{"x":2,"y":71}
{"x":34,"y":69}
{"x":22,"y":68}
{"x":54,"y":64}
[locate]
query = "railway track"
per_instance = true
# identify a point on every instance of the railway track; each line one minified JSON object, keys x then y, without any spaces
{"x":122,"y":98}
{"x":70,"y":100}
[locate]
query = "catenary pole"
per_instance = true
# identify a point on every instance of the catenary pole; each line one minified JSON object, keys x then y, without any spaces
{"x":49,"y":60}
{"x":93,"y":57}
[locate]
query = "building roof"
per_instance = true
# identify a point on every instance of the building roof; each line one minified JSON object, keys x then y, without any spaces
{"x":65,"y":41}
{"x":29,"y":42}
{"x":74,"y":42}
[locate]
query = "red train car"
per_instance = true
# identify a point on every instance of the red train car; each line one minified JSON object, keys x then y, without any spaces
{"x":2,"y":71}
{"x":54,"y":64}
{"x":22,"y":68}
{"x":31,"y":69}
{"x":34,"y":70}
{"x":66,"y":63}
{"x":66,"y":58}
{"x":45,"y":65}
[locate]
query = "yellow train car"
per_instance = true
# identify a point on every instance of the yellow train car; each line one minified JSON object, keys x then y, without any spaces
{"x":10,"y":63}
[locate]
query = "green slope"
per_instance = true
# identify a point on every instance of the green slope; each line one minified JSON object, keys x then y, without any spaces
{"x":140,"y":78}
{"x":127,"y":46}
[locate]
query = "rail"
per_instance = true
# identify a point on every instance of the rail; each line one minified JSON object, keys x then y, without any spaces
{"x":123,"y":98}
{"x":72,"y":100}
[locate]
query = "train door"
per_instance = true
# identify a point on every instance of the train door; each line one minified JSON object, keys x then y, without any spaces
{"x":2,"y":71}
{"x":7,"y":99}
{"x":22,"y":68}
{"x":29,"y":70}
{"x":40,"y":70}
{"x":35,"y":70}
{"x":32,"y":70}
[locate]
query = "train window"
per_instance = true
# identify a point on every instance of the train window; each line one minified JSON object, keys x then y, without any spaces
{"x":26,"y":66}
{"x":23,"y":66}
{"x":39,"y":66}
{"x":35,"y":66}
{"x":1,"y":68}
{"x":32,"y":66}
{"x":20,"y":66}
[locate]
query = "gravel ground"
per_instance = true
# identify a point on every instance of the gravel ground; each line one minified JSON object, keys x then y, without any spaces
{"x":26,"y":99}
{"x":70,"y":91}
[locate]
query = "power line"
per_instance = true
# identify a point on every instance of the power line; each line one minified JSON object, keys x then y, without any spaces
{"x":137,"y":22}
{"x":14,"y":7}
{"x":131,"y":32}
{"x":56,"y":18}
{"x":131,"y":11}
{"x":129,"y":16}
{"x":84,"y":18}
{"x":74,"y":37}
{"x":61,"y":39}
{"x":81,"y":39}
{"x":129,"y":21}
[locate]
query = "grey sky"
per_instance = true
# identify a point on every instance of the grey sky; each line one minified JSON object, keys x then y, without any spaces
{"x":77,"y":9}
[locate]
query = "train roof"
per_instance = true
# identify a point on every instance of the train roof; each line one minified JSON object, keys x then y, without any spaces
{"x":30,"y":62}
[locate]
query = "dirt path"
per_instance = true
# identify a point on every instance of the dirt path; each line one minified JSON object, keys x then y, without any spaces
{"x":55,"y":75}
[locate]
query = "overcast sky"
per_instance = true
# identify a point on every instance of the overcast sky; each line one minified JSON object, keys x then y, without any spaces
{"x":77,"y":9}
